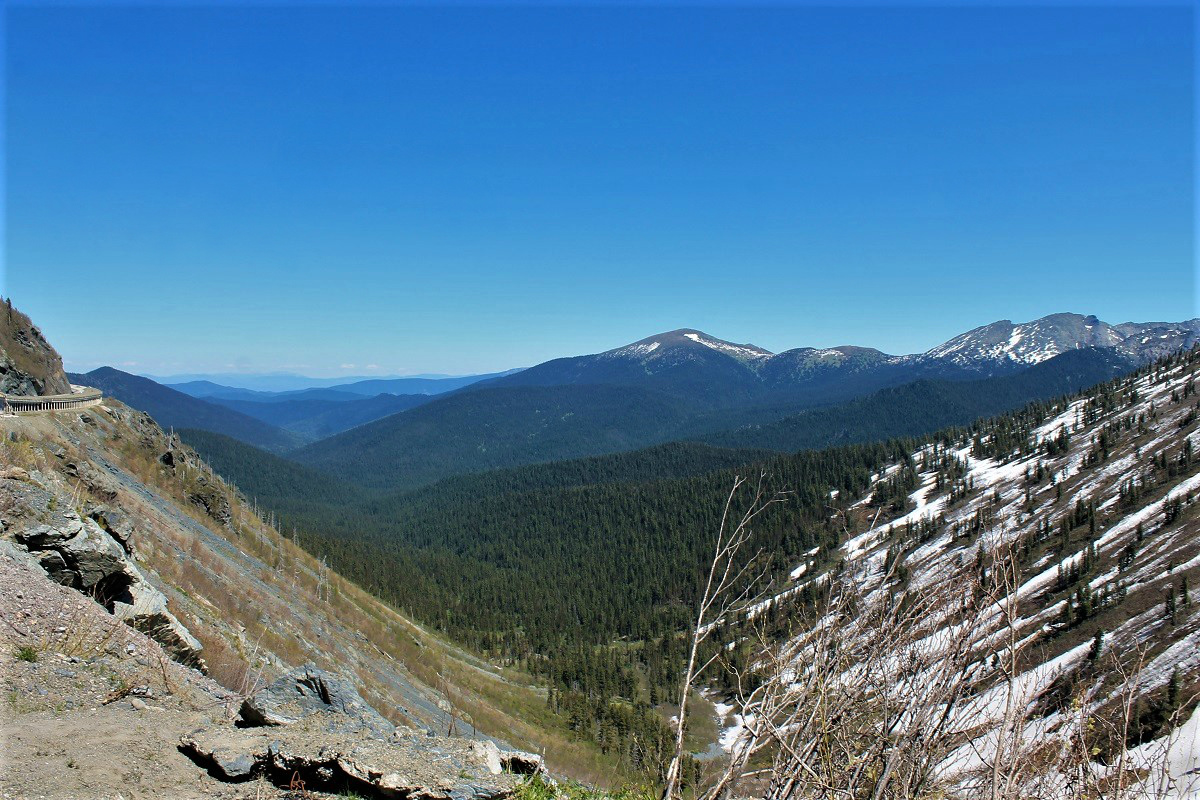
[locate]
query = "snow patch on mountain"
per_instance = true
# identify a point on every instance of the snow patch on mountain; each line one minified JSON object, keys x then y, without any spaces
{"x":736,"y":350}
{"x":1135,"y":548}
{"x":639,"y":349}
{"x":1033,"y":342}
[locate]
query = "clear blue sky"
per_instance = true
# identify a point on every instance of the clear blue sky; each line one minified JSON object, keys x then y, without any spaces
{"x":433,"y":189}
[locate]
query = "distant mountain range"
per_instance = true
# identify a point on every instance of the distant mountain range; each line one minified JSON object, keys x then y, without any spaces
{"x":315,"y":417}
{"x":693,"y":364}
{"x":275,"y":423}
{"x":678,"y":385}
{"x":326,"y":388}
{"x":277,"y":381}
{"x":1003,"y":344}
{"x":687,"y":384}
{"x":172,"y":409}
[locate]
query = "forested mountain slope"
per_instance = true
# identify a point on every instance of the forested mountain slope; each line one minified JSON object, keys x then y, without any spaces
{"x":501,"y":427}
{"x":523,"y":573}
{"x":687,"y":384}
{"x":626,"y":525}
{"x":1048,"y":558}
{"x":917,"y":408}
{"x":286,"y":485}
{"x":272,"y":480}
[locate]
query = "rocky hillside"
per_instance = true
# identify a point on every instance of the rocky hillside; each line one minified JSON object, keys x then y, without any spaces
{"x":28,"y":364}
{"x":1050,"y":557}
{"x":145,"y":598}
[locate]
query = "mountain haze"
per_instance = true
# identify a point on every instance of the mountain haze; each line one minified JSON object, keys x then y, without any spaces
{"x":316,"y":418}
{"x":172,"y":409}
{"x":249,"y":387}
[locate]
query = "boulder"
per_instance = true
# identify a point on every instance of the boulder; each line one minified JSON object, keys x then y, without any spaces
{"x":313,"y":724}
{"x":39,"y":537}
{"x":518,"y":762}
{"x":308,"y":692}
{"x":213,"y":501}
{"x":14,"y":474}
{"x":97,"y":560}
{"x":53,"y":564}
{"x":147,"y":612}
{"x":18,"y":554}
{"x":81,"y":545}
{"x":116,"y":523}
{"x":230,"y":753}
{"x":489,"y":754}
{"x":402,"y":766}
{"x":100,"y":484}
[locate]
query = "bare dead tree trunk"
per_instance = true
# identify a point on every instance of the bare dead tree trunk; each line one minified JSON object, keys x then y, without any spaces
{"x":864,"y":703}
{"x":728,"y":590}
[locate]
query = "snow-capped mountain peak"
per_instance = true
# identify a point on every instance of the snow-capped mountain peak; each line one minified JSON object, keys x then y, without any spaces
{"x":686,"y":339}
{"x":1027,"y":343}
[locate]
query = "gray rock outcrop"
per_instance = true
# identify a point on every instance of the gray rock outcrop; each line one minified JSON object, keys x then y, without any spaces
{"x":100,"y":485}
{"x":116,"y":523}
{"x":308,"y":692}
{"x":28,"y":364}
{"x":14,"y":381}
{"x":77,"y":552}
{"x":313,"y":725}
{"x":147,"y":612}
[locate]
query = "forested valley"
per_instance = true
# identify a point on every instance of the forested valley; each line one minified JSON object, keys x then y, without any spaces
{"x":584,"y":573}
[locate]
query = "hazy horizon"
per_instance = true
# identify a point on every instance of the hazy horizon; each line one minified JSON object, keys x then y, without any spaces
{"x":307,"y":380}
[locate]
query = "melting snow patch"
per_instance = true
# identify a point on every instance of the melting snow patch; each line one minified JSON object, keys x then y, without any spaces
{"x":736,"y":350}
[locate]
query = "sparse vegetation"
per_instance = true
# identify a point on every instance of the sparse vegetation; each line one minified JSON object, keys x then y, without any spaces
{"x":538,"y":789}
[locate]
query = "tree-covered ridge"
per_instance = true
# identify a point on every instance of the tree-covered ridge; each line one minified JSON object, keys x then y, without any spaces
{"x":273,"y":481}
{"x":172,"y":409}
{"x":1081,"y":515}
{"x":492,"y":426}
{"x":920,"y":407}
{"x":280,"y":483}
{"x":473,"y":431}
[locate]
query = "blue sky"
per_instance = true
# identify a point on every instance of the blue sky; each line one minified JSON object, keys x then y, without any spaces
{"x":405,"y":189}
